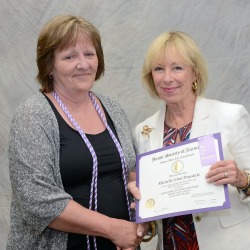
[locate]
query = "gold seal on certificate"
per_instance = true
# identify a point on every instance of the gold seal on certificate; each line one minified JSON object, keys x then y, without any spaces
{"x":150,"y":203}
{"x":177,"y":166}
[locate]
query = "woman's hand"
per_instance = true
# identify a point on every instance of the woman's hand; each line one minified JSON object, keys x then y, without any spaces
{"x":226,"y":172}
{"x":134,"y":191}
{"x":124,"y":234}
{"x":132,"y":188}
{"x":142,"y":230}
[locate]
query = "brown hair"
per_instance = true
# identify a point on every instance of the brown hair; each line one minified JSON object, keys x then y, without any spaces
{"x":58,"y":33}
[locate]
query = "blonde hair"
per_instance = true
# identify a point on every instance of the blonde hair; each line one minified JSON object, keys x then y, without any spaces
{"x":62,"y":32}
{"x":186,"y":48}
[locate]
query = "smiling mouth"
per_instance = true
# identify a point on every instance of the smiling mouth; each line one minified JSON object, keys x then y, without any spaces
{"x":169,"y":90}
{"x":82,"y":75}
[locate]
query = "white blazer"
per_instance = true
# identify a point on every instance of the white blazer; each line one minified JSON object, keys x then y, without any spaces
{"x":227,"y":229}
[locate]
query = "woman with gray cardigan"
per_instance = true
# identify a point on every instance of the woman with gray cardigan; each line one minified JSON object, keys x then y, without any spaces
{"x":71,"y":151}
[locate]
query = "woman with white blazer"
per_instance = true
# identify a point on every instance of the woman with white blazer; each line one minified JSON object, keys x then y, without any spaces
{"x":174,"y":71}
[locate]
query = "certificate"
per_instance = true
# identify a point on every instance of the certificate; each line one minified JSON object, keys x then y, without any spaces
{"x":172,"y":179}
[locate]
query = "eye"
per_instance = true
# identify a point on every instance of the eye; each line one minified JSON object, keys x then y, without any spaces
{"x":89,"y":53}
{"x":70,"y":57}
{"x":158,"y":68}
{"x":177,"y":68}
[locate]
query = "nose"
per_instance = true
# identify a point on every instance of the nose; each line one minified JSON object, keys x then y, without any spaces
{"x":82,"y":63}
{"x":167,"y":77}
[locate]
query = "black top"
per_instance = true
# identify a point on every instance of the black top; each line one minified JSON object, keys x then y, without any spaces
{"x":76,"y":165}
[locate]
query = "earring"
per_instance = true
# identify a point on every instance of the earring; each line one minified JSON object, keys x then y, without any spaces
{"x":195,"y":86}
{"x":50,"y":78}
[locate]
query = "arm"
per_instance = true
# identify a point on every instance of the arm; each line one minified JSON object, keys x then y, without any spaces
{"x":37,"y":188}
{"x":77,"y":219}
{"x":230,"y":171}
{"x":38,"y":193}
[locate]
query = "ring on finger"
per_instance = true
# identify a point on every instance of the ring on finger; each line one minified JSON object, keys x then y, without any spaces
{"x":225,"y":174}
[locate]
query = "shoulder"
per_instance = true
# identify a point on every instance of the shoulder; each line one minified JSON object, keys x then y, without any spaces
{"x":33,"y":111}
{"x":35,"y":104}
{"x":219,"y":107}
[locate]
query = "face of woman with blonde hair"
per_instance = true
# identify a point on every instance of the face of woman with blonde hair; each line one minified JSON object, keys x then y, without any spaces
{"x":173,"y":78}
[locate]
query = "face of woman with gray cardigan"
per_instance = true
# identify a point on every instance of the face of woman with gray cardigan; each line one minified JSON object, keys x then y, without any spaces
{"x":71,"y":151}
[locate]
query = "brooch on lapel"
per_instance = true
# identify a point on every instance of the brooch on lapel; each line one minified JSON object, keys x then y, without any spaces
{"x":146,"y":130}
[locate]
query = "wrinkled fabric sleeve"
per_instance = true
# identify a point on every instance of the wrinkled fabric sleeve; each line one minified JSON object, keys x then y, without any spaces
{"x":240,"y":143}
{"x":34,"y":166}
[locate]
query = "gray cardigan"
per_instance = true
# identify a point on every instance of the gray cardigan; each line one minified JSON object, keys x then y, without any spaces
{"x":38,"y":195}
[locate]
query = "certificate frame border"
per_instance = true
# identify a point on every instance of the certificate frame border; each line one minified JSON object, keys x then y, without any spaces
{"x":225,"y":205}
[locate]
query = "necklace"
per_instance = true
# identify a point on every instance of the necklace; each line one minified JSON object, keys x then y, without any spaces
{"x":93,"y":188}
